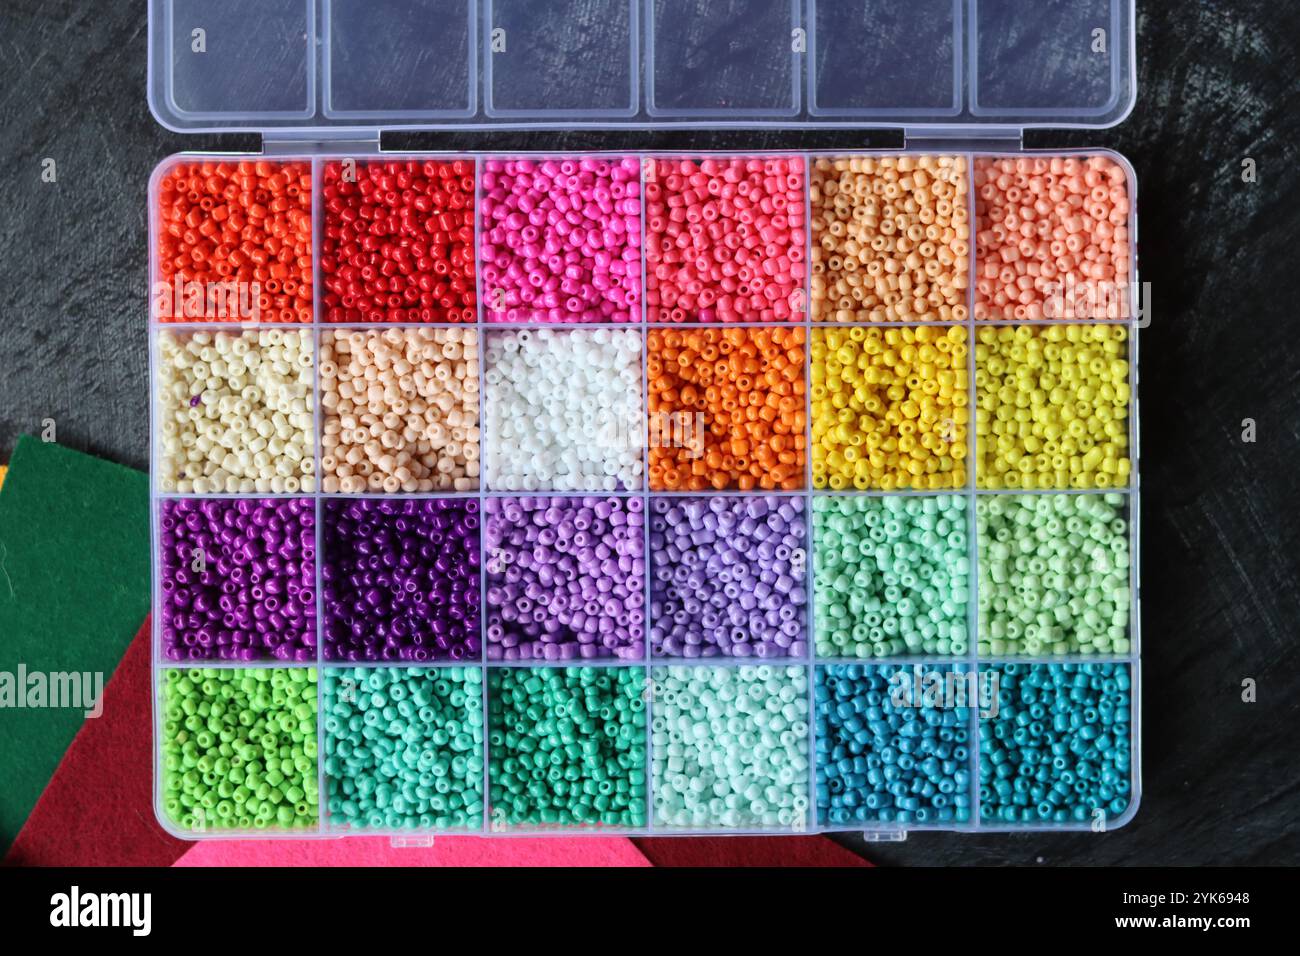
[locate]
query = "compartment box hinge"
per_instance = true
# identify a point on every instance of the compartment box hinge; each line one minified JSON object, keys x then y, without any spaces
{"x":989,"y":139}
{"x":288,"y":142}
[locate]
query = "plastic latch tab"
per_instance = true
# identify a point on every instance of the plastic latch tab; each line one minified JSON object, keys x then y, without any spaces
{"x":414,"y":841}
{"x":884,"y":836}
{"x":990,"y":139}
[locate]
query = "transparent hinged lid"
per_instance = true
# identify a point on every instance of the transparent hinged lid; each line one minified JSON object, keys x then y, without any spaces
{"x":304,"y":67}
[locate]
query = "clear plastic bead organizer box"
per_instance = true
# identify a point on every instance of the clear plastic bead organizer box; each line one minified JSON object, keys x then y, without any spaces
{"x":637,"y":492}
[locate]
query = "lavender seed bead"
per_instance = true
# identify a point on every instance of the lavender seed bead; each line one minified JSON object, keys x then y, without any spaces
{"x":728,"y":577}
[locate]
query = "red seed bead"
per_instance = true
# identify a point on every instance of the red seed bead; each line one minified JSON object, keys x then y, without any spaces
{"x":398,"y":242}
{"x":726,"y":240}
{"x":235,"y":222}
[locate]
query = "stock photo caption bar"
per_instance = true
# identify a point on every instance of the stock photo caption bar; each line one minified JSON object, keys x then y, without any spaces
{"x":644,"y":493}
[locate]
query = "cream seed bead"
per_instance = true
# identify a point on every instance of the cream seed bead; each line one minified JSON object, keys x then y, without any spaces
{"x":221,"y":395}
{"x":890,"y":239}
{"x":400,"y":410}
{"x":730,"y":747}
{"x":564,"y":410}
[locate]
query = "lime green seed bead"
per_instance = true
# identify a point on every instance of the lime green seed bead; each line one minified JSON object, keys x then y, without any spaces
{"x":1054,"y":574}
{"x":210,"y":780}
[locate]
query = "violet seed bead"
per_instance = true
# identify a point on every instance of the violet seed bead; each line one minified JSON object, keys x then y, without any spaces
{"x":581,"y":596}
{"x":225,"y":563}
{"x":728,"y":577}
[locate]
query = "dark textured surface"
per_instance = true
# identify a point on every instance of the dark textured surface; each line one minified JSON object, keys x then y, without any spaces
{"x":1217,"y":83}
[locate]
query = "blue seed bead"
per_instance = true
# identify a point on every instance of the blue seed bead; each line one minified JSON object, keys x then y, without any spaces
{"x":892,"y":744}
{"x":1082,"y":723}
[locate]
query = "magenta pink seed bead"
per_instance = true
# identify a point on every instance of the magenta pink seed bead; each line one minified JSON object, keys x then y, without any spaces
{"x":556,"y":244}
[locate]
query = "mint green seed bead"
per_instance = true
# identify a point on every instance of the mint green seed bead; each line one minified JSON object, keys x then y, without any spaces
{"x":906,"y":553}
{"x":725,"y":751}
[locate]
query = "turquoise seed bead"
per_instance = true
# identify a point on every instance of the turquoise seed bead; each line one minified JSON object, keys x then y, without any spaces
{"x":1054,"y":575}
{"x":890,"y":576}
{"x":730,"y":747}
{"x":1069,"y":765}
{"x":378,"y":760}
{"x":567,"y":746}
{"x":244,"y":757}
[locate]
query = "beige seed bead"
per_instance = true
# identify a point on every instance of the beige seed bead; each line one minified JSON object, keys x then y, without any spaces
{"x":236,"y":412}
{"x":391,"y":400}
{"x":890,"y":239}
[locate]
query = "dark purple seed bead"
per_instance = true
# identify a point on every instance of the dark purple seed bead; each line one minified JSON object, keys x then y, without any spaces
{"x":389,"y":591}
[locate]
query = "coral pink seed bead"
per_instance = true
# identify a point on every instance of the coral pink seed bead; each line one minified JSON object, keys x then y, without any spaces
{"x":726,"y":240}
{"x":560,"y":240}
{"x":1053,"y":237}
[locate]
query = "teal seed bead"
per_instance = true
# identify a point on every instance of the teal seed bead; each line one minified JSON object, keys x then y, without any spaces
{"x":730,"y":747}
{"x":378,"y":759}
{"x":567,"y":746}
{"x":890,"y":576}
{"x":1054,"y":575}
{"x":242,"y":759}
{"x":1057,"y":748}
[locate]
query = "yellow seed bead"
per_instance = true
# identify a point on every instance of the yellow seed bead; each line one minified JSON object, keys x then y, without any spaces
{"x":1052,"y":406}
{"x":894,"y":411}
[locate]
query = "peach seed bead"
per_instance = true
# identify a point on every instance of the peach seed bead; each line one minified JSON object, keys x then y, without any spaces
{"x":890,"y":239}
{"x":400,"y":411}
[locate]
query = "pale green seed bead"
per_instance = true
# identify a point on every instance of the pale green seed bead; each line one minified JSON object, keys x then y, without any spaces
{"x":1053,"y":574}
{"x":725,"y":754}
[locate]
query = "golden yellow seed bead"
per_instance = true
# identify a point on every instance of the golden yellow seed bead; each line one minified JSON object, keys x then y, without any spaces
{"x":895,"y":414}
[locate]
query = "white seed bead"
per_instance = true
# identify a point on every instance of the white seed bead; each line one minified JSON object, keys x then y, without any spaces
{"x":564,"y":410}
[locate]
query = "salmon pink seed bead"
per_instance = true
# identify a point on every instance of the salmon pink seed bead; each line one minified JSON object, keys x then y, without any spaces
{"x":1081,"y":267}
{"x":714,"y":221}
{"x":560,"y":240}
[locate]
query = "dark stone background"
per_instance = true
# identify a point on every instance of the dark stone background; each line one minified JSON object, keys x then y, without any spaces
{"x":1217,"y":83}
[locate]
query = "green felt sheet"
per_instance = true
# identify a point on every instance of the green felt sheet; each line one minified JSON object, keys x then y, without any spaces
{"x":74,"y":587}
